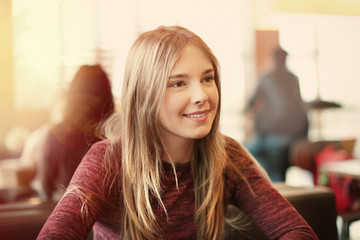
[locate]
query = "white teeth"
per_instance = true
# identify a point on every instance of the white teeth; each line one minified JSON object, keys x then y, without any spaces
{"x":196,"y":115}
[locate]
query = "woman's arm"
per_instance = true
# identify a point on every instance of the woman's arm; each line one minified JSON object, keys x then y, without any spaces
{"x":274,"y":215}
{"x":77,"y":211}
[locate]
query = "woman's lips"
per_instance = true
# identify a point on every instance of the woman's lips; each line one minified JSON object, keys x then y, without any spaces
{"x":197,"y":116}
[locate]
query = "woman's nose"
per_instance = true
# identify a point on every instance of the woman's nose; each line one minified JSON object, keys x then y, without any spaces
{"x":198,"y":94}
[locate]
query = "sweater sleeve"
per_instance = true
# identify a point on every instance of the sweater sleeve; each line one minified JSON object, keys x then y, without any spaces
{"x":76,"y":212}
{"x":253,"y":193}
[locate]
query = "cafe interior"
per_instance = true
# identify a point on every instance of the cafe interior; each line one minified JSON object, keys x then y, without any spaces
{"x":44,"y":43}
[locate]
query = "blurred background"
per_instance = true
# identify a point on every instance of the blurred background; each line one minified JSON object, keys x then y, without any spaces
{"x":43,"y":44}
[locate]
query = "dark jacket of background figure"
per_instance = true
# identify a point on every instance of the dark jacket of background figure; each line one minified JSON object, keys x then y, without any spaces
{"x":278,"y":105}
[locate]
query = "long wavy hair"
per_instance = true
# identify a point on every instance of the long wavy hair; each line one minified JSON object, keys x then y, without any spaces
{"x":133,"y":130}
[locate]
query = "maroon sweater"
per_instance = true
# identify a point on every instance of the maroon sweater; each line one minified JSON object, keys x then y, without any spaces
{"x":270,"y":211}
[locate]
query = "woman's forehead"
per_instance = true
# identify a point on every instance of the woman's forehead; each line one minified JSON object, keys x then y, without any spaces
{"x":190,"y":57}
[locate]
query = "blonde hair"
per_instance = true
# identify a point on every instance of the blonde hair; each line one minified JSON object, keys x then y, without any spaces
{"x":134,"y":131}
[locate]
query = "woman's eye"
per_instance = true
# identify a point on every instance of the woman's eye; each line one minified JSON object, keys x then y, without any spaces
{"x":208,"y":79}
{"x":177,"y":84}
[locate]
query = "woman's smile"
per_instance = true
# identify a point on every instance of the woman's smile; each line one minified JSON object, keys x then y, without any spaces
{"x":198,"y":116}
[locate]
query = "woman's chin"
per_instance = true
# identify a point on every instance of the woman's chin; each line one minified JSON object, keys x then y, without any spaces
{"x":201,"y":134}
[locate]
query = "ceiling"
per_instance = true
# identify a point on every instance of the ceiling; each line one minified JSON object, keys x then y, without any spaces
{"x":334,"y":7}
{"x":266,"y":8}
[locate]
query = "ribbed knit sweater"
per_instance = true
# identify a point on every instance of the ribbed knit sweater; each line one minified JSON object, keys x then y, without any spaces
{"x":275,"y":216}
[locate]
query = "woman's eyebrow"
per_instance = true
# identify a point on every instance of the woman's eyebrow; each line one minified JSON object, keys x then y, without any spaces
{"x":210,"y":70}
{"x":184,"y":75}
{"x":181,"y":75}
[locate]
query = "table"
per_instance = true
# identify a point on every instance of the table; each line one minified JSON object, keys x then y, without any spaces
{"x":345,"y":168}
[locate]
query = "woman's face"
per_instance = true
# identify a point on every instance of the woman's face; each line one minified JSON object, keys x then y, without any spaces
{"x":191,"y":98}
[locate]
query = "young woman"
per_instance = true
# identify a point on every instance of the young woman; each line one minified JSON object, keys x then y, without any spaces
{"x":165,"y":171}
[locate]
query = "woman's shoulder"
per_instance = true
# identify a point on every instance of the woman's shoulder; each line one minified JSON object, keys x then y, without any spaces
{"x":235,"y":151}
{"x":96,"y":154}
{"x":240,"y":160}
{"x":100,"y":146}
{"x":92,"y":171}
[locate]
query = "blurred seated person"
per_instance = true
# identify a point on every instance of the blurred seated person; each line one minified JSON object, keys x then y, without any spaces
{"x":54,"y":150}
{"x":279,"y":115}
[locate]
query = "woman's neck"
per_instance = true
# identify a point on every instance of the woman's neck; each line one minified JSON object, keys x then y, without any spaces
{"x":179,"y":151}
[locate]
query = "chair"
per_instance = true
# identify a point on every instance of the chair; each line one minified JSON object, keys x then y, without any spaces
{"x":23,"y":220}
{"x":316,"y":205}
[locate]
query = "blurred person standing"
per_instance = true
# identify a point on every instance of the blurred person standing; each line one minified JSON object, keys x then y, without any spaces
{"x":55,"y":149}
{"x":279,"y":115}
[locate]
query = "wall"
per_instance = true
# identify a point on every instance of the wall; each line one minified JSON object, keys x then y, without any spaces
{"x":6,"y":67}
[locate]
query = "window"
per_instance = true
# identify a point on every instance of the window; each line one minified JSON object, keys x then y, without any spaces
{"x":53,"y":38}
{"x":325,"y":49}
{"x":324,"y":53}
